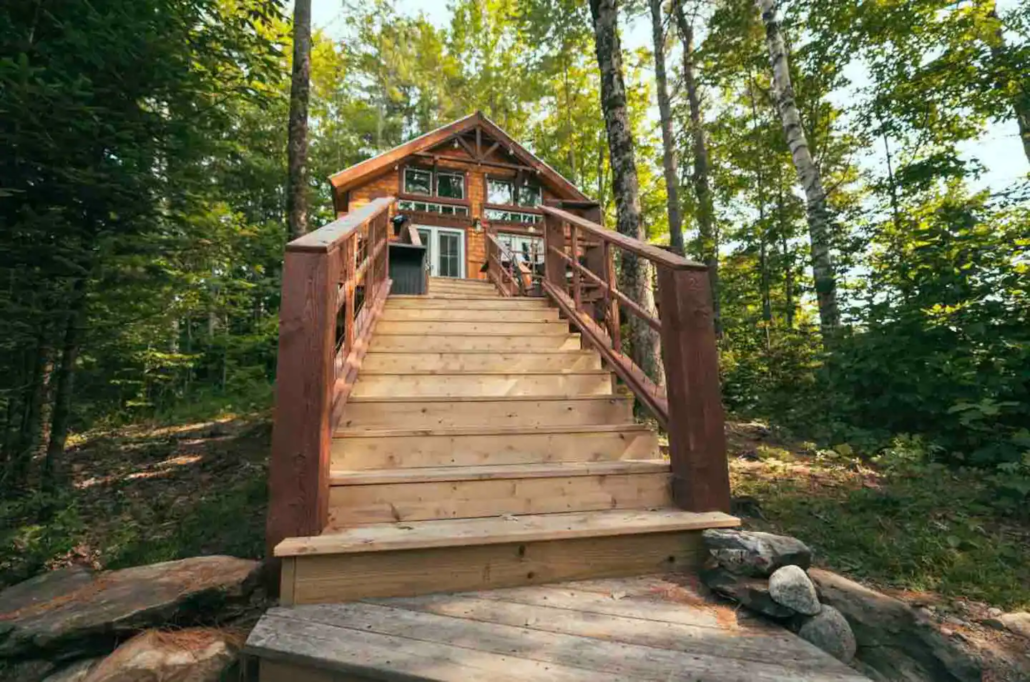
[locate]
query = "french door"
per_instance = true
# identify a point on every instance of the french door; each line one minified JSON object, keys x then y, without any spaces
{"x":446,"y":250}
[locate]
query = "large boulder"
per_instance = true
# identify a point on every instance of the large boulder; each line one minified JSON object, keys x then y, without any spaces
{"x":754,"y":553}
{"x":75,"y":672}
{"x":893,"y":642}
{"x":191,"y":655}
{"x":750,"y":592}
{"x":829,"y":631}
{"x":1017,"y":623}
{"x":73,"y":613}
{"x":792,"y":587}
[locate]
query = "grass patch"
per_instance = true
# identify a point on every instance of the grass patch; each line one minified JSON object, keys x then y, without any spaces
{"x":915,"y":527}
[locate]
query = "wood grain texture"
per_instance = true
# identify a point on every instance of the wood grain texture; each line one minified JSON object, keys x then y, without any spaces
{"x":458,"y":303}
{"x":493,"y":531}
{"x":339,"y":578}
{"x":490,"y":361}
{"x":460,"y":315}
{"x":498,"y":472}
{"x":440,"y":384}
{"x":436,"y":413}
{"x":492,"y":445}
{"x":445,"y":342}
{"x":697,"y":440}
{"x":465,"y":327}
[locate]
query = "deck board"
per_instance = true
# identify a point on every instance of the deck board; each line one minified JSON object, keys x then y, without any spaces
{"x":656,"y":628}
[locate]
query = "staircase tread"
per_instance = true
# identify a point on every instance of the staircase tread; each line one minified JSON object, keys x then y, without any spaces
{"x":480,"y":398}
{"x":492,"y":472}
{"x":542,"y":332}
{"x":499,"y":530}
{"x":488,"y":430}
{"x":484,"y":372}
{"x":459,"y":351}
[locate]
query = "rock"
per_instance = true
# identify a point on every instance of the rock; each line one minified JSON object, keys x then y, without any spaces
{"x":791,"y":587}
{"x":893,"y":642}
{"x":25,"y":671}
{"x":191,"y":655}
{"x":750,"y":592}
{"x":754,"y":553}
{"x":829,"y":631}
{"x":73,"y":613}
{"x":1017,"y":623}
{"x":76,"y":672}
{"x":994,"y":612}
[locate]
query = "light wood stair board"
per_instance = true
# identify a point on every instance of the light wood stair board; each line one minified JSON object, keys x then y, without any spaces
{"x":496,"y":531}
{"x":470,"y":327}
{"x":453,"y":283}
{"x":383,"y":503}
{"x":436,"y":343}
{"x":464,"y":315}
{"x":510,"y":411}
{"x":459,"y":303}
{"x":419,"y":361}
{"x":346,"y":577}
{"x":497,"y":472}
{"x":363,"y":450}
{"x":437,"y":384}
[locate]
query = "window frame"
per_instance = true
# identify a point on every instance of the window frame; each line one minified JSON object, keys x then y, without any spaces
{"x":510,"y":182}
{"x":540,"y":194}
{"x":417,"y":169}
{"x":453,"y":173}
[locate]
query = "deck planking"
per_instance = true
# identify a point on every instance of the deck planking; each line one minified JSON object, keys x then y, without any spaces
{"x":651,"y":628}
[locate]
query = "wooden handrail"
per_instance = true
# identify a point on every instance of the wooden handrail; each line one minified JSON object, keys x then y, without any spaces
{"x":690,"y":406}
{"x":324,"y":331}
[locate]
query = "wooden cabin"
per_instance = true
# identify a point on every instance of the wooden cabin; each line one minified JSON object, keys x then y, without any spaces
{"x":483,"y":434}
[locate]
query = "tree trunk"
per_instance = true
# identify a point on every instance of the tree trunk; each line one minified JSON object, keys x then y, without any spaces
{"x":668,"y":141}
{"x":61,"y":416}
{"x":815,"y":196}
{"x":296,"y":192}
{"x":1021,"y":97}
{"x":635,"y":274}
{"x":707,"y":230}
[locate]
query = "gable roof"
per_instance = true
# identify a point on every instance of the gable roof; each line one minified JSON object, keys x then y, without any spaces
{"x":348,"y":178}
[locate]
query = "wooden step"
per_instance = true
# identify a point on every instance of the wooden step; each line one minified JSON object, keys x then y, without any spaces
{"x":487,"y":443}
{"x":443,"y":326}
{"x":458,"y":302}
{"x":420,"y":557}
{"x":470,"y":315}
{"x":497,"y":472}
{"x":461,"y":283}
{"x":546,"y":489}
{"x":446,"y":342}
{"x":483,"y":361}
{"x":440,"y":384}
{"x":445,"y":413}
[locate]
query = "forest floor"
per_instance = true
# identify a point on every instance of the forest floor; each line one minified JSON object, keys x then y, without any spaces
{"x":148,"y":493}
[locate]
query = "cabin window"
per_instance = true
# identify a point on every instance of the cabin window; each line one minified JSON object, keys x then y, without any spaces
{"x":500,"y":192}
{"x":511,"y":216}
{"x":450,"y":185}
{"x":418,"y":181}
{"x":530,"y":195}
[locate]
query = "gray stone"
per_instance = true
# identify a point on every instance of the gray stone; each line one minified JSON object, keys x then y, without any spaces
{"x":1017,"y":623}
{"x":752,"y":593}
{"x":892,"y":639}
{"x":76,"y":672}
{"x":791,"y":587}
{"x":754,"y":553}
{"x":829,"y":631}
{"x":190,"y":655}
{"x":73,"y":613}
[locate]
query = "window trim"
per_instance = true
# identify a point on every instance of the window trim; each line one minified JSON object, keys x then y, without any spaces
{"x":493,"y":178}
{"x":419,"y":169}
{"x":457,"y":173}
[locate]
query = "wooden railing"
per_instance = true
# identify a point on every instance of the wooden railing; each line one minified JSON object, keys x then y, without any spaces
{"x":580,"y":278}
{"x":509,"y":275}
{"x":335,"y":283}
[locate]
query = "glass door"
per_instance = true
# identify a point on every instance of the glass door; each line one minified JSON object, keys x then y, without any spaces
{"x":445,"y":250}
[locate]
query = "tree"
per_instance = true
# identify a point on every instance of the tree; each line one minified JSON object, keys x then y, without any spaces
{"x":300,"y":92}
{"x":635,"y":274}
{"x":668,"y":139}
{"x":808,"y":172}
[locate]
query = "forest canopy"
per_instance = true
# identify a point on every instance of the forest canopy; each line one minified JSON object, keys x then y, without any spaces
{"x":143,"y":193}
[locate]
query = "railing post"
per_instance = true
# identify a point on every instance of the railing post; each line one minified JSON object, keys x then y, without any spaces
{"x":697,"y":442}
{"x":554,"y":237}
{"x":298,"y":477}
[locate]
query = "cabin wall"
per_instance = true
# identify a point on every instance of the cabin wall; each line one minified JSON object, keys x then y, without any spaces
{"x":388,"y":183}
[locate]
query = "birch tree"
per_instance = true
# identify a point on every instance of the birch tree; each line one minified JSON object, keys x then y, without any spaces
{"x":818,"y":214}
{"x":634,"y":273}
{"x":669,"y":164}
{"x":300,"y":91}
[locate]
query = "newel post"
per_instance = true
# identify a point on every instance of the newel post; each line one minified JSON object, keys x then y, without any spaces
{"x":554,"y":236}
{"x":298,"y":477}
{"x":697,"y":441}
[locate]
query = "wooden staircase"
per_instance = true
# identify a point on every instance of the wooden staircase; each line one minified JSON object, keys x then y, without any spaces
{"x":483,"y":447}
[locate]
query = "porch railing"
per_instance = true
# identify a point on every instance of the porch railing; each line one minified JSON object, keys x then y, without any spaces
{"x":335,"y":284}
{"x":504,"y":269}
{"x":579,"y":275}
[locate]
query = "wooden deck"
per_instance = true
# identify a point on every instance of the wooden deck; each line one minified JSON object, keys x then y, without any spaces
{"x":646,"y":628}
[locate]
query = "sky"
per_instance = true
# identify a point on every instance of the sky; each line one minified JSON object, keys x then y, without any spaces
{"x":999,"y":150}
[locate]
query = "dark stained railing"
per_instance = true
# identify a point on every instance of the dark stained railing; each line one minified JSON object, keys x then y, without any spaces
{"x":335,"y":283}
{"x":580,"y":278}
